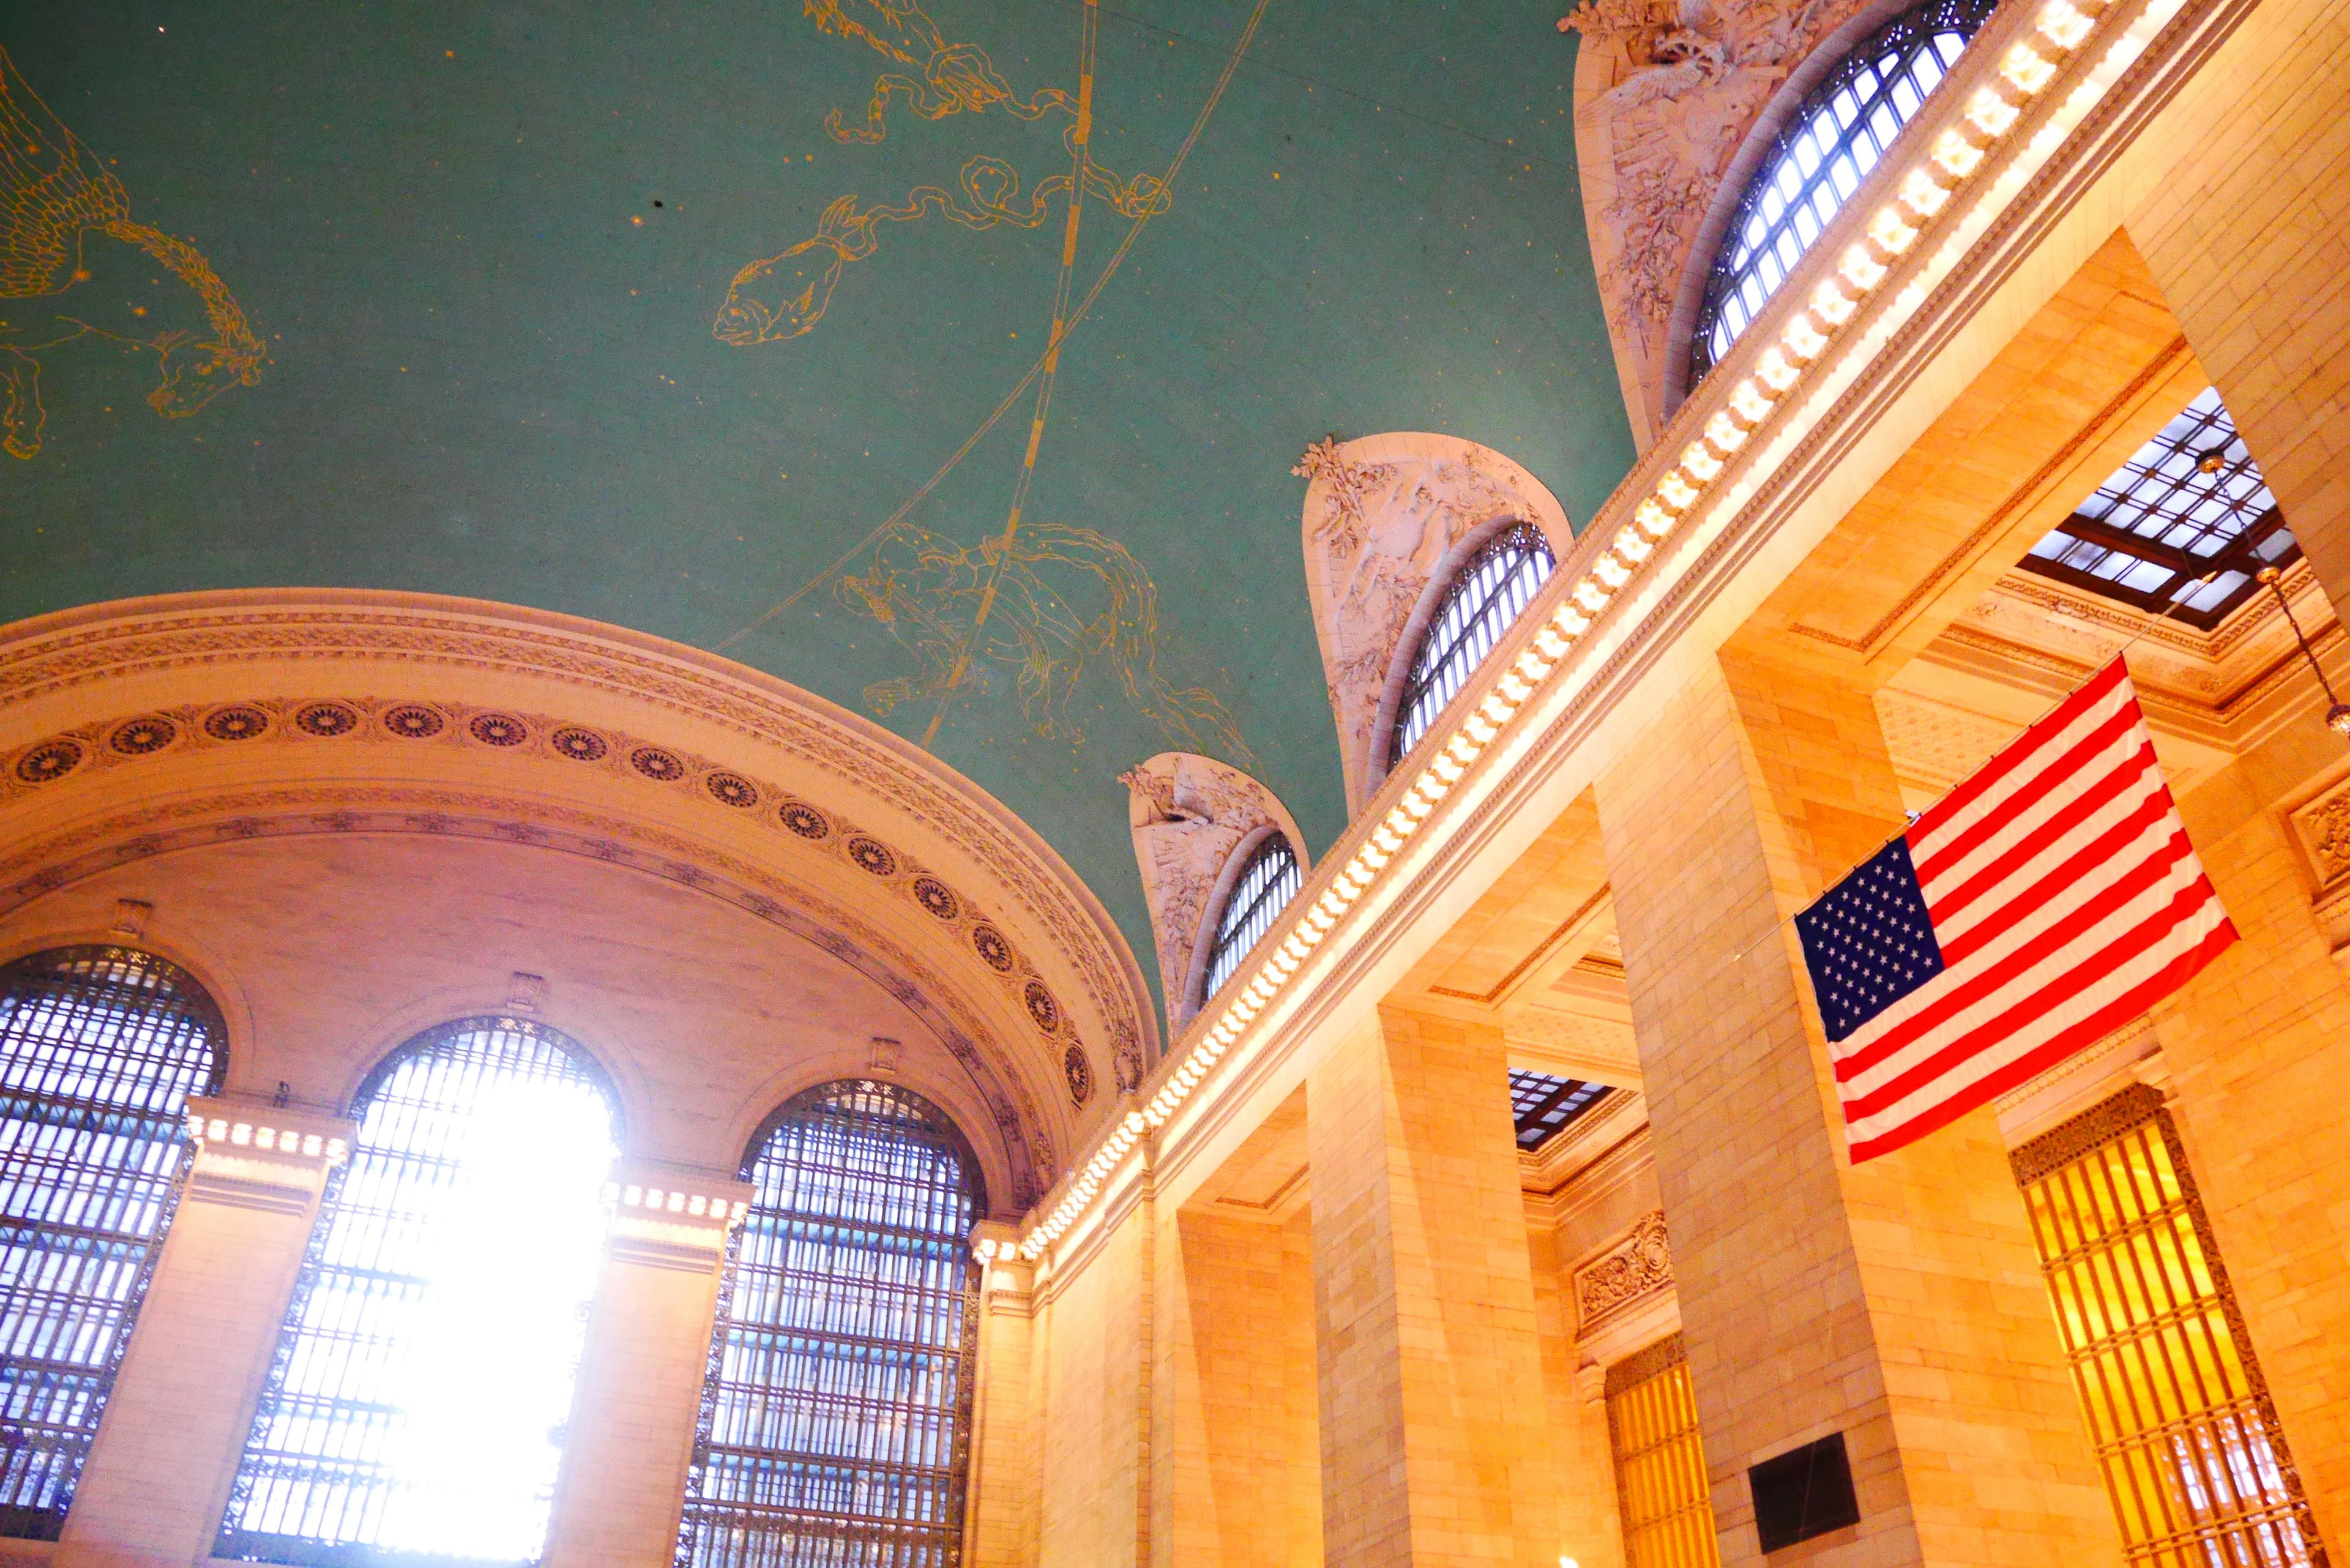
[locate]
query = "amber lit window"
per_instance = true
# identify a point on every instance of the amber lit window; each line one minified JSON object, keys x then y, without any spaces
{"x":1832,"y":141}
{"x":1270,"y":879}
{"x":2188,"y":521}
{"x":1543,"y":1105}
{"x":100,"y":1049}
{"x":836,"y":1418}
{"x":2177,"y":1408}
{"x":1661,"y":1487}
{"x":1489,"y":592}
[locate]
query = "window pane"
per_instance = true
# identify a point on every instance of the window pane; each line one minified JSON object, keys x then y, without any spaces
{"x":100,"y":1049}
{"x":426,"y":1367}
{"x":1270,"y":879}
{"x":837,"y":1411}
{"x":1834,"y":137}
{"x":1488,"y":595}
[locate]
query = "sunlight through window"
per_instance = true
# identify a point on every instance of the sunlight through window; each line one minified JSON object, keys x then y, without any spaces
{"x":425,"y":1374}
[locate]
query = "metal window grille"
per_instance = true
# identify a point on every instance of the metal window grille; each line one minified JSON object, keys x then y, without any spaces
{"x":416,"y":1404}
{"x":1831,"y":142}
{"x":1485,"y":597}
{"x":100,"y":1049}
{"x":1270,"y":879}
{"x":836,"y":1417}
{"x":1662,"y":1497}
{"x":2191,"y":504}
{"x":1543,"y":1105}
{"x":2177,"y":1408}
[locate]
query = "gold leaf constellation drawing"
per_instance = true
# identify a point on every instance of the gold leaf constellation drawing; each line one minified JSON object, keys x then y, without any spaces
{"x":955,"y":78}
{"x":785,"y":295}
{"x":1061,"y":597}
{"x":53,"y":193}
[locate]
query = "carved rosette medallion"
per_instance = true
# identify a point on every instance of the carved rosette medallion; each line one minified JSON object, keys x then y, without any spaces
{"x":1627,"y":1275}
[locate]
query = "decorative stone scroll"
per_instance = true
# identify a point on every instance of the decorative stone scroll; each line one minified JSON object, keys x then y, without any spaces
{"x":1387,"y":517}
{"x":1188,"y":814}
{"x":2323,"y":827}
{"x":1626,"y":1275}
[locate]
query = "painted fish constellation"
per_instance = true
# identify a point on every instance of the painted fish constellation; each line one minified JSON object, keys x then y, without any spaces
{"x":55,"y":194}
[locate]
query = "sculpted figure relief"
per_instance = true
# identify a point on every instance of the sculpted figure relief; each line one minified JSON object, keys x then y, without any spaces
{"x":1665,"y":94}
{"x":1188,"y":814}
{"x":1382,"y":514}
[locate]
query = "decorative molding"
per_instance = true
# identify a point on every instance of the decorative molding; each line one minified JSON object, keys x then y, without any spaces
{"x":1635,"y":1267}
{"x":1385,"y":516}
{"x":191,"y":822}
{"x":1642,"y":1364}
{"x":55,"y":653}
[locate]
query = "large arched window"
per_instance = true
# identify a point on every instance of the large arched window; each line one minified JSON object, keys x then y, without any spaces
{"x":1268,"y":879}
{"x":1831,"y":142}
{"x":1488,"y":593}
{"x":416,"y":1404}
{"x":100,"y":1049}
{"x":836,"y":1420}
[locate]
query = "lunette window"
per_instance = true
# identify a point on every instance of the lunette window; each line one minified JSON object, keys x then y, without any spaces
{"x":836,"y":1417}
{"x":100,"y":1049}
{"x":2181,"y":529}
{"x":1487,"y":595}
{"x":417,"y":1403}
{"x":1267,"y":882}
{"x":1831,"y":142}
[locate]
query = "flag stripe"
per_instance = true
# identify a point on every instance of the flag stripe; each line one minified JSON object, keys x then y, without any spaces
{"x":1962,"y":802}
{"x":2064,"y":899}
{"x":2113,"y":1013}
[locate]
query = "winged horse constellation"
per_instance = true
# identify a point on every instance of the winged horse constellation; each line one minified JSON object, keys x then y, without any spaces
{"x":53,"y":193}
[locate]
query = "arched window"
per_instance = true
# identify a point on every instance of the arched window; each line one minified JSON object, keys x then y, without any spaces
{"x":836,"y":1418}
{"x":417,"y":1403}
{"x":1487,"y":595}
{"x":100,"y":1049}
{"x":1831,"y":142}
{"x":1269,"y":880}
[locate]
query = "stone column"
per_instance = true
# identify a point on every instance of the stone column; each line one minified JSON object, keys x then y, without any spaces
{"x":620,"y":1492}
{"x":2247,"y":228}
{"x":1435,"y":1440}
{"x":157,"y":1476}
{"x":1900,"y":1302}
{"x":1002,"y":1506}
{"x":1095,"y":1332}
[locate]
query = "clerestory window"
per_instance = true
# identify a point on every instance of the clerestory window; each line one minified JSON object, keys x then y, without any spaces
{"x":1543,"y":1105}
{"x":2183,"y":527}
{"x":416,"y":1404}
{"x":100,"y":1049}
{"x":1487,"y":595}
{"x":1266,"y":883}
{"x":1832,"y":141}
{"x":836,"y":1418}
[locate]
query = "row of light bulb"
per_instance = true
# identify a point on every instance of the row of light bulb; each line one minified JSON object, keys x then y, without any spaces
{"x":269,"y":1140}
{"x":670,"y":1200}
{"x":1954,"y":156}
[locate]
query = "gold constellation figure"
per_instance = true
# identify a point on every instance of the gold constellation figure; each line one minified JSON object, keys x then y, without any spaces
{"x":53,"y":193}
{"x":954,"y":77}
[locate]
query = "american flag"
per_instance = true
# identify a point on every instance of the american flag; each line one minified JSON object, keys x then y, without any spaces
{"x":2042,"y":904}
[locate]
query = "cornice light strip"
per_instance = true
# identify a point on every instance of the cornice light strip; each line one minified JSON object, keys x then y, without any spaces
{"x":202,"y":1129}
{"x":1950,"y":162}
{"x":673,"y":1200}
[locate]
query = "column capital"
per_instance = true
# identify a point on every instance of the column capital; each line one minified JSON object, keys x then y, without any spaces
{"x":673,"y":1216}
{"x":250,"y":1153}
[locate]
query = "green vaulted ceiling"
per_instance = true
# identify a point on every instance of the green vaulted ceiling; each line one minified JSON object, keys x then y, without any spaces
{"x":729,"y":322}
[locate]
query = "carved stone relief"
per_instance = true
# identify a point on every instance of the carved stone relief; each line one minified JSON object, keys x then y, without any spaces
{"x":2323,"y":826}
{"x":1665,"y":95}
{"x":1188,"y":814}
{"x":1627,"y":1273}
{"x":1382,"y":512}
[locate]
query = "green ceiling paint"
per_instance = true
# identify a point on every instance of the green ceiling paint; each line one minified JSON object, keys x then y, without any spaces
{"x":489,"y":254}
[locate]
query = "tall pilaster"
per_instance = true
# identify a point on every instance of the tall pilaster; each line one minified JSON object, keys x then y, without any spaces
{"x":620,"y":1495}
{"x":1435,"y":1440}
{"x":157,"y":1476}
{"x":1900,"y":1303}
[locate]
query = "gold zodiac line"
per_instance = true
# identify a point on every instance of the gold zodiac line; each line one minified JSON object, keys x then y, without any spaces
{"x":955,"y":79}
{"x":1066,"y":596}
{"x":53,"y":193}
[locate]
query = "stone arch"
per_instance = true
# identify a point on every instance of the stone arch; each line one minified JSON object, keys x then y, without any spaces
{"x":1384,"y":514}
